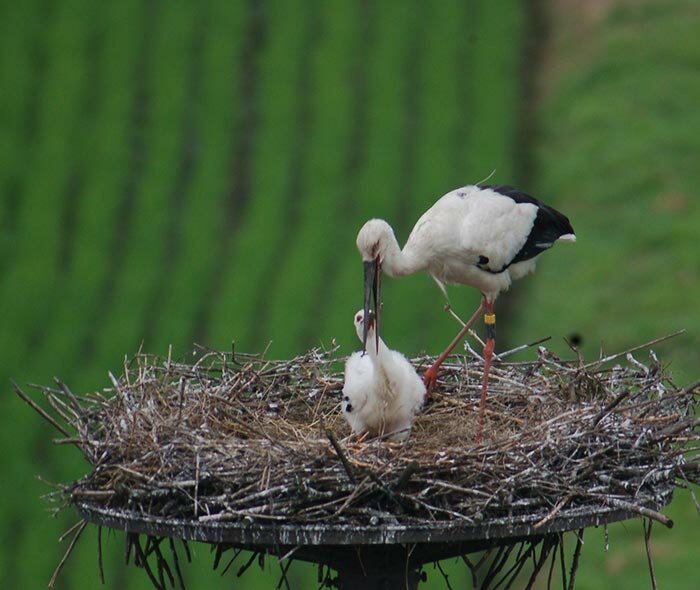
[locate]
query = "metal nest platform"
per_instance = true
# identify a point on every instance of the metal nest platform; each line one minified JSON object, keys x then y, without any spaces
{"x":247,"y":453}
{"x":368,"y":557}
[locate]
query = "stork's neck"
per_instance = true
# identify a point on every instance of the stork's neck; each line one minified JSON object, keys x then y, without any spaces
{"x":382,"y":362}
{"x":397,"y":262}
{"x":376,"y":354}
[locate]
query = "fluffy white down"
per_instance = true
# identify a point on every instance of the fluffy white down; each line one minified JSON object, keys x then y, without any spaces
{"x":382,"y":392}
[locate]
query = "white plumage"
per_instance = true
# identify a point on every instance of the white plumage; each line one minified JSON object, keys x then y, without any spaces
{"x":483,"y":236}
{"x":471,"y":236}
{"x":382,"y":391}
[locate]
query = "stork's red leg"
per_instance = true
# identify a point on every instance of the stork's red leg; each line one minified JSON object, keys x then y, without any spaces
{"x":430,"y":376}
{"x":490,"y":319}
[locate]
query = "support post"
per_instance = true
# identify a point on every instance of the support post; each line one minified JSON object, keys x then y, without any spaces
{"x":377,"y":567}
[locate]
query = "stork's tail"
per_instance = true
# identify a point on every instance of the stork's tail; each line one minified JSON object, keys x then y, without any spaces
{"x":567,"y":238}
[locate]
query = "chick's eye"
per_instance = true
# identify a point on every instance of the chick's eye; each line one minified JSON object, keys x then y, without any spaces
{"x":358,"y":318}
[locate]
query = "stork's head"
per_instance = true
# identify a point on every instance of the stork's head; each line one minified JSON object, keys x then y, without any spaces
{"x":363,"y":327}
{"x":374,"y":239}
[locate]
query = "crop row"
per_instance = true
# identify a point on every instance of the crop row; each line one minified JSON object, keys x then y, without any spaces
{"x":200,"y":173}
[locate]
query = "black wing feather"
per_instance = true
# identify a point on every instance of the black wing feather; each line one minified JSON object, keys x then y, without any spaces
{"x":549,"y":224}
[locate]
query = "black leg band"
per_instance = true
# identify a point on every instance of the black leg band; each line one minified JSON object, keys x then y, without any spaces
{"x":490,"y":320}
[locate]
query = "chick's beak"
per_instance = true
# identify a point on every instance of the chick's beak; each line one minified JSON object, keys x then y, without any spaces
{"x":372,"y":292}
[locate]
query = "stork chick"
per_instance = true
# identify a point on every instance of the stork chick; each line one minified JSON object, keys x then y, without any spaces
{"x":382,"y":391}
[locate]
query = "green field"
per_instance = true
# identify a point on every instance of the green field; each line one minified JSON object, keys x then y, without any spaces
{"x":183,"y":172}
{"x":618,"y":145}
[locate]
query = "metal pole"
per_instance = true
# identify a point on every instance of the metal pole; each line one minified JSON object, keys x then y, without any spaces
{"x":377,"y":567}
{"x":391,"y":579}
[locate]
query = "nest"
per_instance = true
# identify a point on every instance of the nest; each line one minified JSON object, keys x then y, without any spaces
{"x":238,"y":438}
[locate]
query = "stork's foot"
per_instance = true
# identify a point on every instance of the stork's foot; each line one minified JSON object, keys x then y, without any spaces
{"x":429,"y":380}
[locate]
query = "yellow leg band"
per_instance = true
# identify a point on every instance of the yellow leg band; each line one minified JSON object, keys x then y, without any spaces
{"x":490,"y":318}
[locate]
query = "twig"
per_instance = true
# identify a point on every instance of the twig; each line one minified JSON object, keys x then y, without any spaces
{"x":341,"y":455}
{"x":608,"y":408}
{"x":247,"y":564}
{"x":646,"y":525}
{"x":644,"y":511}
{"x":612,"y":357}
{"x":445,"y":577}
{"x":502,"y":355}
{"x":563,"y":502}
{"x":81,"y":527}
{"x":562,"y":560}
{"x":547,"y":545}
{"x":39,"y":410}
{"x":692,"y":387}
{"x":574,"y":561}
{"x":70,"y":395}
{"x":284,"y":567}
{"x":141,"y":560}
{"x":406,"y":475}
{"x":236,"y":553}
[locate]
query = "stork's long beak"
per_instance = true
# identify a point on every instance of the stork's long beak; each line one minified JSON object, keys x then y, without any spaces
{"x":372,"y":291}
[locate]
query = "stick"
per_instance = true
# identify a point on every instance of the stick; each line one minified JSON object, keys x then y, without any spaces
{"x":650,"y":560}
{"x":547,"y":546}
{"x":607,"y":409}
{"x":406,"y":475}
{"x":70,"y":395}
{"x":502,"y":355}
{"x":633,"y":349}
{"x":562,"y":559}
{"x":341,"y":455}
{"x":563,"y":502}
{"x":143,"y":562}
{"x":247,"y":564}
{"x":499,"y":356}
{"x":66,"y":555}
{"x":70,"y":530}
{"x":472,"y":333}
{"x":99,"y":555}
{"x":46,"y":416}
{"x":692,"y":387}
{"x":284,"y":567}
{"x":574,"y":562}
{"x":648,"y":512}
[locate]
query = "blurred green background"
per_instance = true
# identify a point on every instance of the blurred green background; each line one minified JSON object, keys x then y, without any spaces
{"x":181,"y":171}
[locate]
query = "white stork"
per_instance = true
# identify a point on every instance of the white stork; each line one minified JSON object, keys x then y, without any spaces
{"x":382,"y":391}
{"x":483,"y":236}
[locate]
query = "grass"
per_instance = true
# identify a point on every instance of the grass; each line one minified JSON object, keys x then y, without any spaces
{"x":291,"y":290}
{"x":378,"y":187}
{"x":142,"y":250}
{"x":105,"y":158}
{"x":274,"y":162}
{"x":209,"y":149}
{"x":178,"y":173}
{"x":614,"y":153}
{"x":28,"y":279}
{"x":628,"y":186}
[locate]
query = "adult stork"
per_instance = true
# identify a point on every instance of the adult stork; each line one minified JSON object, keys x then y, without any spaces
{"x":483,"y":236}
